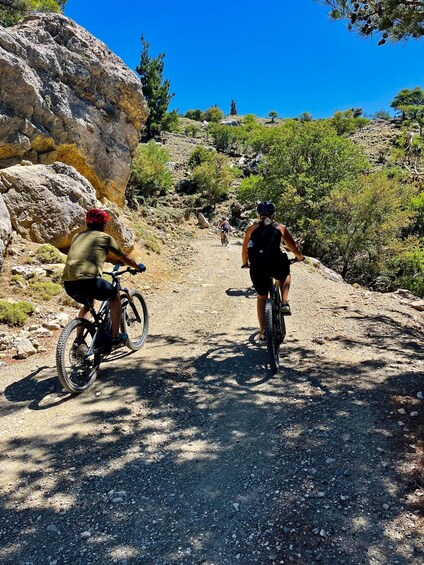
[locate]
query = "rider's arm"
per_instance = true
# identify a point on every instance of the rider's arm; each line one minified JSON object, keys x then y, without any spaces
{"x":244,"y":250}
{"x":116,"y":251}
{"x":290,"y":242}
{"x":129,"y":261}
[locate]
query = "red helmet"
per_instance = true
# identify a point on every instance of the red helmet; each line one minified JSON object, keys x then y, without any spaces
{"x":97,"y":216}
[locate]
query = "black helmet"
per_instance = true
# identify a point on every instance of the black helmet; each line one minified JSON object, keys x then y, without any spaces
{"x":266,"y":209}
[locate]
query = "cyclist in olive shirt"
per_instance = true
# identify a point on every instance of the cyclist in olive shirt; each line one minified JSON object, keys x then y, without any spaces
{"x":82,"y":275}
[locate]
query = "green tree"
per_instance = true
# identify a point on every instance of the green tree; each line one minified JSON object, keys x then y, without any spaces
{"x":149,"y":172}
{"x":302,"y":164}
{"x":391,"y":20}
{"x":214,"y":177}
{"x":156,"y":89}
{"x":194,"y":115}
{"x":213,"y":114}
{"x":192,"y":130}
{"x":357,"y":112}
{"x":233,"y":108}
{"x":305,"y":117}
{"x":382,"y":115}
{"x":410,"y":105}
{"x":360,"y":222}
{"x":198,"y":156}
{"x":346,"y":122}
{"x":11,"y":11}
{"x":224,"y":137}
{"x":273,"y":115}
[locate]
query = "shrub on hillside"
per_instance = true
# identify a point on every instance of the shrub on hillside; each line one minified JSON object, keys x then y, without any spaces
{"x":192,"y":130}
{"x":198,"y":156}
{"x":171,"y":122}
{"x":346,"y":122}
{"x":47,"y":253}
{"x":15,"y":313}
{"x":44,"y":290}
{"x":213,"y":114}
{"x":213,"y":178}
{"x":194,"y":115}
{"x":150,"y":172}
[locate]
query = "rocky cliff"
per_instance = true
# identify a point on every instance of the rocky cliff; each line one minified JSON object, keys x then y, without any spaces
{"x":64,"y":96}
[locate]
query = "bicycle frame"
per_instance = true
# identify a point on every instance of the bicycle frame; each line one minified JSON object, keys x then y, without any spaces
{"x":100,"y":315}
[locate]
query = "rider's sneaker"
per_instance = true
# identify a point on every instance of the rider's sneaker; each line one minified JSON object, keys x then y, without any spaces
{"x":285,"y":309}
{"x":120,"y":340}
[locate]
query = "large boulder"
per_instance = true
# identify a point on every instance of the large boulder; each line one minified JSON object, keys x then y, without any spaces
{"x":64,"y":96}
{"x":48,"y":204}
{"x":5,"y":230}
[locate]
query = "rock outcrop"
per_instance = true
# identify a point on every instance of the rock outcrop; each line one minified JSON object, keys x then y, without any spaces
{"x":48,"y":204}
{"x":64,"y":96}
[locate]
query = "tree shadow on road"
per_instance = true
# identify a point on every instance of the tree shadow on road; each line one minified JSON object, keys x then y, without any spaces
{"x":185,"y":459}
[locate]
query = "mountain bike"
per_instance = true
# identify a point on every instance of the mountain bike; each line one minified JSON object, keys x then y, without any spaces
{"x":84,"y":344}
{"x":224,"y":238}
{"x":275,"y":325}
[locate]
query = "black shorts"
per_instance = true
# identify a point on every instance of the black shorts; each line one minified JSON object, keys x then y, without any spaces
{"x":262,"y":270}
{"x":90,"y":289}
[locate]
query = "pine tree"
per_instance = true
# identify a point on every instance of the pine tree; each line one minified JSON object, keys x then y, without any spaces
{"x":11,"y":11}
{"x":156,"y":90}
{"x":391,"y":20}
{"x":233,"y":108}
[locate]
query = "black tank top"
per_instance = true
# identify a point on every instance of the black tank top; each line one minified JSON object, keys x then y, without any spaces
{"x":266,"y":239}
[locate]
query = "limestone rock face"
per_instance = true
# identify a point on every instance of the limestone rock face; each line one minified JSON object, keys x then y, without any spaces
{"x":64,"y":96}
{"x":5,"y":230}
{"x":48,"y":204}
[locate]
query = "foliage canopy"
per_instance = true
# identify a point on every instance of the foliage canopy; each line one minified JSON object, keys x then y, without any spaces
{"x":11,"y":11}
{"x":391,"y":20}
{"x":150,"y":172}
{"x":156,"y":90}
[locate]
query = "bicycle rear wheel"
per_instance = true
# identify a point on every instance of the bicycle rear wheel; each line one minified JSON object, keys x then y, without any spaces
{"x":135,"y":320}
{"x":272,"y":337}
{"x":76,"y":368}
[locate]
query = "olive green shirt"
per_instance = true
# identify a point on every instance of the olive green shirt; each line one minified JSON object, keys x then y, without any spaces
{"x":87,"y":255}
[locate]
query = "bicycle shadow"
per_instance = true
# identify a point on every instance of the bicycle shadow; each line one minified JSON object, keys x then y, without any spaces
{"x":237,"y":292}
{"x":42,"y":391}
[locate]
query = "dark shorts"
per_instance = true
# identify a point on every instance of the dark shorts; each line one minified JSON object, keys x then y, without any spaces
{"x":261,"y":271}
{"x":90,"y":289}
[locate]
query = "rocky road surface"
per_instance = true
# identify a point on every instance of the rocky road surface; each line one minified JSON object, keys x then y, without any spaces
{"x":191,"y":452}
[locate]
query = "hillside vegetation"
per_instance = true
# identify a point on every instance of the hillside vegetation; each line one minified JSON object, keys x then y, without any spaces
{"x":350,"y":188}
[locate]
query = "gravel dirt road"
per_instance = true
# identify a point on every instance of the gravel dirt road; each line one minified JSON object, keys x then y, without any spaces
{"x":191,"y":452}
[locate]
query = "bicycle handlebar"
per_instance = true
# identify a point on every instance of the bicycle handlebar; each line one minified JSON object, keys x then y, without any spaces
{"x":115,"y":273}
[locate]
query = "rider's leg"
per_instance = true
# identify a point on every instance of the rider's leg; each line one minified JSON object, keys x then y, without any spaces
{"x":260,"y":303}
{"x":284,"y":288}
{"x":83,"y":313}
{"x":115,"y":315}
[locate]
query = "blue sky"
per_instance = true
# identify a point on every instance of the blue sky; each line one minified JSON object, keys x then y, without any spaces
{"x":271,"y":55}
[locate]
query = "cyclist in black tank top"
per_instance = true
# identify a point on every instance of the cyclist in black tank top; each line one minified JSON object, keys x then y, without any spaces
{"x":262,"y":253}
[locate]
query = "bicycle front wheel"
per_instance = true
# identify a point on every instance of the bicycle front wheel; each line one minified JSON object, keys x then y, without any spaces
{"x":272,"y":337}
{"x":135,"y":320}
{"x":76,"y":361}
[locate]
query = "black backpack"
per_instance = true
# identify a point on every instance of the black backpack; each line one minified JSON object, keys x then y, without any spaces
{"x":265,"y":242}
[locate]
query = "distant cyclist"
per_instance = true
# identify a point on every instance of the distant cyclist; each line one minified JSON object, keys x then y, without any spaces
{"x":83,"y":271}
{"x":224,"y":228}
{"x":262,"y":252}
